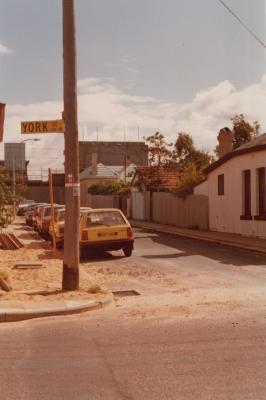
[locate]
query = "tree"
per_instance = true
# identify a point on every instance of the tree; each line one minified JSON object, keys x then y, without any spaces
{"x":184,"y":146}
{"x":190,"y":177}
{"x":160,"y":156}
{"x":6,"y":198}
{"x":186,"y":153}
{"x":191,"y":162}
{"x":243,"y":131}
{"x":159,"y":150}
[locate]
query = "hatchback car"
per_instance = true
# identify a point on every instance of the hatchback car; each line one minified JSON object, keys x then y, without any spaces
{"x":106,"y":229}
{"x":59,"y":226}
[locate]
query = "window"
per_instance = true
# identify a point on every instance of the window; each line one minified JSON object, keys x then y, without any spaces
{"x":105,"y":218}
{"x":246,"y":194}
{"x":221,"y":185}
{"x":261,"y":193}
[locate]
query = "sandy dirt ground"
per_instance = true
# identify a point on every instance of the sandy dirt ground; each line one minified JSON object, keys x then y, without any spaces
{"x":48,"y":278}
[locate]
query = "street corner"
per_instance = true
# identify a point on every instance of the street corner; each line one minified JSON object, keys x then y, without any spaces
{"x":20,"y":311}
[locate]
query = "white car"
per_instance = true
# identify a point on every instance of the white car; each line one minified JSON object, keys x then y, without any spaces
{"x":24,"y":205}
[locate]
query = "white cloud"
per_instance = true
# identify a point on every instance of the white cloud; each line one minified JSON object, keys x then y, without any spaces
{"x":102,"y":104}
{"x":125,"y":63}
{"x":4,"y":50}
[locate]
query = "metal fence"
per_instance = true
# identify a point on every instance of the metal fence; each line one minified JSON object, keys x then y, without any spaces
{"x":169,"y":209}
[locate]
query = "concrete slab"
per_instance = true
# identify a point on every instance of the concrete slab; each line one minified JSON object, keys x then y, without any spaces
{"x":27,"y":310}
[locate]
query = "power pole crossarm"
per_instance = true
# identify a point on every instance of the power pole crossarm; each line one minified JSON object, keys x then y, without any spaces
{"x":72,"y":198}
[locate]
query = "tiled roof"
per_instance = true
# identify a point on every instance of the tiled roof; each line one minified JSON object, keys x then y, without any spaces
{"x":261,"y":139}
{"x":101,"y":170}
{"x":164,"y":177}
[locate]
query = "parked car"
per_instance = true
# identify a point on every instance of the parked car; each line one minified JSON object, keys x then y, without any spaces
{"x":29,"y":214}
{"x":44,"y":218}
{"x":60,"y":225}
{"x":36,"y":214}
{"x":106,"y":229}
{"x":23,"y":206}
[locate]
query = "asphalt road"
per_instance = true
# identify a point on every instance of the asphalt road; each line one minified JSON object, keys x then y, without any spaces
{"x":196,"y":332}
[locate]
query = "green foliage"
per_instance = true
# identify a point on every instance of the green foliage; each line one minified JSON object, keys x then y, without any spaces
{"x":6,"y":198}
{"x":159,"y":150}
{"x":184,"y":146}
{"x":191,"y":162}
{"x":243,"y":131}
{"x":190,"y":177}
{"x":186,"y":153}
{"x":109,"y":187}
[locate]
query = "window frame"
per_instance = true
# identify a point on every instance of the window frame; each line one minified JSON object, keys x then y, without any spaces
{"x":220,"y":185}
{"x":261,"y":194}
{"x":246,"y":195}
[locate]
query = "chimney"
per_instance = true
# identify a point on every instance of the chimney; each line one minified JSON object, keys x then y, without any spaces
{"x":225,"y":139}
{"x":94,"y":162}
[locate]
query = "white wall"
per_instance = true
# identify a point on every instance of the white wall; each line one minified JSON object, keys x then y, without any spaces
{"x":202,"y":188}
{"x":225,"y":211}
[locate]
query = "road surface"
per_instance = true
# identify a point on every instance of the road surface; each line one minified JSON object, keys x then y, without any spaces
{"x":197,"y":331}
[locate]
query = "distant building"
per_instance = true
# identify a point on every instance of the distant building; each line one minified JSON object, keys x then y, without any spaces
{"x":112,"y":154}
{"x":21,"y":176}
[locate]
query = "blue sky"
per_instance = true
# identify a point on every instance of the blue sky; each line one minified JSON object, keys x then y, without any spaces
{"x":169,"y":65}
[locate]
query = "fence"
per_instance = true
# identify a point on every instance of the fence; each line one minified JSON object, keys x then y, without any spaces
{"x":41,"y":194}
{"x":105,"y":201}
{"x":169,"y":209}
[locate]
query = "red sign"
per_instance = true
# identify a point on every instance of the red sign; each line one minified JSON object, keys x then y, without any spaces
{"x":2,"y":118}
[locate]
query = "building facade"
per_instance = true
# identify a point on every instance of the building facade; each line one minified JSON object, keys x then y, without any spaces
{"x":236,"y":188}
{"x":112,"y":153}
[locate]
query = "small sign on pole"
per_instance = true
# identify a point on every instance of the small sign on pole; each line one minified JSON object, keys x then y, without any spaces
{"x":52,"y":208}
{"x":53,"y":126}
{"x":2,"y":119}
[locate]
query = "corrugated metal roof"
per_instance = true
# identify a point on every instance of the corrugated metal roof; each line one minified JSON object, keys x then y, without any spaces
{"x":101,"y":170}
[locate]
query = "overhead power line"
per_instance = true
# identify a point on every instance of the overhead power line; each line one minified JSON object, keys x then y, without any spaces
{"x":245,"y":26}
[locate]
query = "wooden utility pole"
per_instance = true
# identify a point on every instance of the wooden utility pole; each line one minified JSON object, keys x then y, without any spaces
{"x":72,"y":186}
{"x":14,"y":187}
{"x":52,"y":208}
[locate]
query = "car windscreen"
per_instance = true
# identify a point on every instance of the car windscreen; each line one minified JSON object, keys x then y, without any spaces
{"x":105,"y":218}
{"x":61,"y":215}
{"x":47,"y":212}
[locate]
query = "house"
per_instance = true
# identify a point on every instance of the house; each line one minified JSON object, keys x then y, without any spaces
{"x":155,"y":178}
{"x":99,"y":173}
{"x":236,"y":187}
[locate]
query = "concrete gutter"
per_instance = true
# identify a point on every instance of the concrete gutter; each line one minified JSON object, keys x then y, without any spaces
{"x":26,"y":310}
{"x":207,"y":236}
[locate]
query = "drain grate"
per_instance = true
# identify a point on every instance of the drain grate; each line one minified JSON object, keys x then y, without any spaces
{"x":124,"y":293}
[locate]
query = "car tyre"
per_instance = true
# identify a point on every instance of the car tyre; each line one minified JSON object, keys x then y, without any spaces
{"x":127,"y":251}
{"x":59,"y":245}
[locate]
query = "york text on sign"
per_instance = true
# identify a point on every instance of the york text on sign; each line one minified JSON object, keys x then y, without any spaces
{"x":55,"y":126}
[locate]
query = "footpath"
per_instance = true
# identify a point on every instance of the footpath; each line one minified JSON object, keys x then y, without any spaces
{"x":228,"y":239}
{"x":36,"y":284}
{"x":11,"y":311}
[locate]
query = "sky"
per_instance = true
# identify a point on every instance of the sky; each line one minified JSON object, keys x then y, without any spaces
{"x":143,"y":66}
